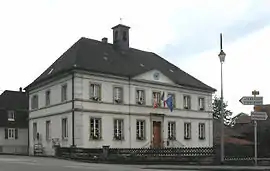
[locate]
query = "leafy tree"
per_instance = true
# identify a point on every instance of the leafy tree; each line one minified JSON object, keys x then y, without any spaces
{"x":217,"y":110}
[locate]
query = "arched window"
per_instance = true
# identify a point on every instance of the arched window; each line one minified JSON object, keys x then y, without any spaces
{"x":125,"y":36}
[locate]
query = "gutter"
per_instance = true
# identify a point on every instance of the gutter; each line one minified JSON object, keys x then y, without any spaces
{"x":73,"y":129}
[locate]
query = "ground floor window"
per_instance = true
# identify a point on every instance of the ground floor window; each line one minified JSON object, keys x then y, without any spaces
{"x":11,"y":133}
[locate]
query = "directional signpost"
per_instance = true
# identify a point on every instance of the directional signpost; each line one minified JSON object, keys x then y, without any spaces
{"x":255,"y":116}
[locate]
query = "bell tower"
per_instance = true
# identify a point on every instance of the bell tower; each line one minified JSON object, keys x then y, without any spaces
{"x":121,"y":36}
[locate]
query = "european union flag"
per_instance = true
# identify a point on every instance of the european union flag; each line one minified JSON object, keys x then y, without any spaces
{"x":170,"y":103}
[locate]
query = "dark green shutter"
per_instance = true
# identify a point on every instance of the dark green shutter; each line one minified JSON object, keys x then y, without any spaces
{"x":16,"y":133}
{"x":6,"y":133}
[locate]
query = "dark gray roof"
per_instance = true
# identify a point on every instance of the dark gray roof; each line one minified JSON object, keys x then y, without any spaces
{"x":13,"y":100}
{"x":88,"y":54}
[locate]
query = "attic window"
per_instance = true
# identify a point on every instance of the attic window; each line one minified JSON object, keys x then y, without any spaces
{"x":105,"y":58}
{"x":171,"y":70}
{"x":142,"y":65}
{"x":50,"y":71}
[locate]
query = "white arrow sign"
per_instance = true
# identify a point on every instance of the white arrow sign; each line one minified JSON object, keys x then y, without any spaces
{"x":259,"y":116}
{"x":251,"y":100}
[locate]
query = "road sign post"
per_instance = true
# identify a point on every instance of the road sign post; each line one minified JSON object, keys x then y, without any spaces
{"x":254,"y":93}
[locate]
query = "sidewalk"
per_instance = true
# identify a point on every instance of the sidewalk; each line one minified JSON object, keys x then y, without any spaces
{"x":206,"y":168}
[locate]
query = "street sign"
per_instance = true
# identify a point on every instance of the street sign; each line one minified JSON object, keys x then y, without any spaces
{"x":259,"y":116}
{"x":251,"y":100}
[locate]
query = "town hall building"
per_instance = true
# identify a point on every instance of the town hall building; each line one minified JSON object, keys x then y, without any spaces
{"x":99,"y":93}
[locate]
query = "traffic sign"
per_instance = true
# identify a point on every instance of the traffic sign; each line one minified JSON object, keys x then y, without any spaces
{"x":259,"y":116}
{"x":251,"y":100}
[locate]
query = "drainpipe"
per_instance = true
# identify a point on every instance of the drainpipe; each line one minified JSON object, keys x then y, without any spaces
{"x":73,"y":130}
{"x":129,"y":117}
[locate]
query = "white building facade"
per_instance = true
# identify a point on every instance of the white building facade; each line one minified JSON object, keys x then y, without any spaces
{"x":92,"y":109}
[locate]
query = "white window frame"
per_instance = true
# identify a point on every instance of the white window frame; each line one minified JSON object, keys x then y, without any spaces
{"x":156,"y":95}
{"x":187,"y":130}
{"x":201,"y":131}
{"x":201,"y":103}
{"x":48,"y":130}
{"x":12,"y":114}
{"x":64,"y":128}
{"x":118,"y":129}
{"x":64,"y":92}
{"x":187,"y":102}
{"x":118,"y":94}
{"x":48,"y":98}
{"x":34,"y":102}
{"x":95,"y":91}
{"x":140,"y":96}
{"x":171,"y":130}
{"x":11,"y":133}
{"x":95,"y":128}
{"x":140,"y":129}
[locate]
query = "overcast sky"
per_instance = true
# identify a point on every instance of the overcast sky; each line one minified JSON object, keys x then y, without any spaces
{"x":34,"y":33}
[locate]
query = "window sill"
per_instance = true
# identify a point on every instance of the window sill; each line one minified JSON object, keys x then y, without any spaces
{"x":92,"y":139}
{"x":187,"y":138}
{"x":11,"y":120}
{"x":202,"y":139}
{"x":115,"y":139}
{"x":65,"y":139}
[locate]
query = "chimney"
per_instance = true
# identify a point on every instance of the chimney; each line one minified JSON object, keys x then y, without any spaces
{"x":104,"y":40}
{"x":121,"y":36}
{"x":20,"y":89}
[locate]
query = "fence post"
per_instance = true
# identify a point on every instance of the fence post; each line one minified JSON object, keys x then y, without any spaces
{"x":106,"y":149}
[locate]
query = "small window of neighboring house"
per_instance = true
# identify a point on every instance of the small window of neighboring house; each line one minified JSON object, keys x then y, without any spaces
{"x":125,"y":36}
{"x":118,"y":95}
{"x":95,"y":128}
{"x":64,"y":128}
{"x":187,"y":130}
{"x":11,"y":133}
{"x":11,"y":115}
{"x":187,"y":103}
{"x":140,"y":130}
{"x":34,"y":102}
{"x":48,"y":130}
{"x":201,"y":131}
{"x":173,"y":99}
{"x":118,"y":129}
{"x":48,"y":98}
{"x":95,"y":92}
{"x":140,"y":97}
{"x":156,"y":99}
{"x":64,"y":93}
{"x":201,"y":103}
{"x":34,"y":131}
{"x":171,"y":131}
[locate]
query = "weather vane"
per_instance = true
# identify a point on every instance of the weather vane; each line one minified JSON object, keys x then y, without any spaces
{"x":121,"y":20}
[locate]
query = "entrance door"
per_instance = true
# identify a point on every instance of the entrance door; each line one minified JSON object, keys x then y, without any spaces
{"x":156,"y":134}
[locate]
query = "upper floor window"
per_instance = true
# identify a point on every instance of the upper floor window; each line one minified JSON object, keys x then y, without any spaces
{"x":64,"y":93}
{"x":140,"y":129}
{"x":187,"y":103}
{"x":201,"y":131}
{"x":201,"y":103}
{"x":118,"y":129}
{"x":11,"y":115}
{"x":48,"y":98}
{"x":95,"y":92}
{"x":156,"y":99}
{"x":34,"y":102}
{"x":95,"y":128}
{"x":171,"y":130}
{"x":64,"y":128}
{"x":140,"y":97}
{"x":187,"y":130}
{"x":118,"y":95}
{"x":173,"y":99}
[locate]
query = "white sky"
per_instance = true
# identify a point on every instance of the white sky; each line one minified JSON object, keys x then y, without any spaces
{"x":33,"y":34}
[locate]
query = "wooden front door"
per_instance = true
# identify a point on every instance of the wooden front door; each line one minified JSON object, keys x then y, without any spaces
{"x":156,"y":134}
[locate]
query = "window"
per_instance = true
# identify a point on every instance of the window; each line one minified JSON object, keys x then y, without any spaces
{"x":187,"y":130}
{"x":201,"y":103}
{"x":118,"y":94}
{"x":48,"y":98}
{"x":34,"y":131}
{"x":95,"y":92}
{"x":64,"y":128}
{"x":156,"y":99}
{"x":95,"y":128}
{"x":64,"y":93}
{"x":173,"y":99}
{"x":48,"y":130}
{"x":187,"y":104}
{"x":125,"y":36}
{"x":115,"y":35}
{"x":171,"y":130}
{"x":202,"y":131}
{"x":34,"y":102}
{"x":118,"y":129}
{"x":140,"y":97}
{"x":140,"y":133}
{"x":11,"y":115}
{"x":11,"y":133}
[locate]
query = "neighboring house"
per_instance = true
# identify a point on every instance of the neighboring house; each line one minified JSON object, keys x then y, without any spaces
{"x":13,"y":122}
{"x":99,"y":93}
{"x":241,"y":119}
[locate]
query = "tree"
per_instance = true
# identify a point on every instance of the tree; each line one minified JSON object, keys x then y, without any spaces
{"x":217,"y":110}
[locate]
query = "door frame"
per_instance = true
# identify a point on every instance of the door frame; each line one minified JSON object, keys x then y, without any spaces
{"x":157,"y":118}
